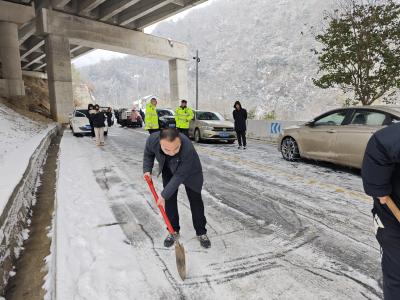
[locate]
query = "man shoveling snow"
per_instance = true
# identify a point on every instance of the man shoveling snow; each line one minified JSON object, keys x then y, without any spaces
{"x":179,"y":164}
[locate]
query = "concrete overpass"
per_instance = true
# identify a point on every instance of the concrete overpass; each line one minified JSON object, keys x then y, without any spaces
{"x":43,"y":36}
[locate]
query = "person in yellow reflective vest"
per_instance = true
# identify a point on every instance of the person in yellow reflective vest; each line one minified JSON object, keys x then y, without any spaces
{"x":151,"y":119}
{"x":183,"y":116}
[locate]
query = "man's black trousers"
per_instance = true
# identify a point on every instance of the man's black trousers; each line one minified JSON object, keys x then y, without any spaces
{"x":241,"y":137}
{"x":196,"y":206}
{"x":389,"y":240}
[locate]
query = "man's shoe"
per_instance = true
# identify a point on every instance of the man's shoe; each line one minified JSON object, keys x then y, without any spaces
{"x":204,"y":241}
{"x":239,"y":147}
{"x":245,"y":147}
{"x":170,"y":240}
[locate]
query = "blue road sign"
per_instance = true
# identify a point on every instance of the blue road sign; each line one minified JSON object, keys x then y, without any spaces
{"x":275,"y":128}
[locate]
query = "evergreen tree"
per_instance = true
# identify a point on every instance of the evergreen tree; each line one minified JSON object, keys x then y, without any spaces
{"x":360,"y":51}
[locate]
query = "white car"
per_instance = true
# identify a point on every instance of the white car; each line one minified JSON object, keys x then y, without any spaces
{"x":79,"y":123}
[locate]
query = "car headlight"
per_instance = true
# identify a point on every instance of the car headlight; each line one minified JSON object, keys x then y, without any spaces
{"x":205,"y":127}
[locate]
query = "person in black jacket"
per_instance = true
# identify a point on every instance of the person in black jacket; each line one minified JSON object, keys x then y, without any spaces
{"x":381,"y":179}
{"x":240,"y":117}
{"x":89,"y":115}
{"x":179,"y":164}
{"x":109,"y":114}
{"x":99,"y":119}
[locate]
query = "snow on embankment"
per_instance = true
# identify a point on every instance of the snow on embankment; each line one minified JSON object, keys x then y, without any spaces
{"x":23,"y":146}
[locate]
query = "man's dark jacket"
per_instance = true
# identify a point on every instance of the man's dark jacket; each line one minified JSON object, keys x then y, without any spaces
{"x":240,"y":117}
{"x":185,"y":166}
{"x":98,"y":119}
{"x":381,"y":171}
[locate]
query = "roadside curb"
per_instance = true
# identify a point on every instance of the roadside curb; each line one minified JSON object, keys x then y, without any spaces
{"x":15,"y":216}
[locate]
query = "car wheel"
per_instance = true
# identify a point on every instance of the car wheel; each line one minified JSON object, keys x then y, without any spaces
{"x":197,"y":136}
{"x":290,"y":149}
{"x":231,"y":142}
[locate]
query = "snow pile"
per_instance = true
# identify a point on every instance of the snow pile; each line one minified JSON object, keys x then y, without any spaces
{"x":20,"y":136}
{"x":93,"y":260}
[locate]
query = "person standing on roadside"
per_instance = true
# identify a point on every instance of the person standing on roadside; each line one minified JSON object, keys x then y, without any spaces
{"x":109,"y":114}
{"x":89,"y":115}
{"x":99,"y":119}
{"x":183,"y":116}
{"x":381,"y":178}
{"x":240,"y":117}
{"x":152,"y":124}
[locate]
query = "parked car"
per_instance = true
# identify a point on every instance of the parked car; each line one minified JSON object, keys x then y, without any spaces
{"x":339,"y":136}
{"x":79,"y":123}
{"x":129,"y":118}
{"x":166,"y":118}
{"x":208,"y":125}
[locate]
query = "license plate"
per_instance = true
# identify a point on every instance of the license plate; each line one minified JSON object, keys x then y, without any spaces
{"x":224,"y":134}
{"x":172,"y":125}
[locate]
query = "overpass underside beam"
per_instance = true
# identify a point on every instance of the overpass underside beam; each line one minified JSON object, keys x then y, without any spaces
{"x":98,"y":35}
{"x":61,"y":29}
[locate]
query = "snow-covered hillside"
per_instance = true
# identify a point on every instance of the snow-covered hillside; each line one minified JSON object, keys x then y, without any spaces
{"x":254,"y":51}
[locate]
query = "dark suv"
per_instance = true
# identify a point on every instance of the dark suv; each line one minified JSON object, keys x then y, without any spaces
{"x":166,"y":118}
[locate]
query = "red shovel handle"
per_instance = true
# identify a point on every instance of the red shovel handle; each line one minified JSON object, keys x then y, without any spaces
{"x":155,"y":195}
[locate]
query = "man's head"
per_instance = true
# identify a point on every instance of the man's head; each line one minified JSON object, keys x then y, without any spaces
{"x":170,"y":141}
{"x":183,"y":103}
{"x":97,"y":107}
{"x":153,"y":101}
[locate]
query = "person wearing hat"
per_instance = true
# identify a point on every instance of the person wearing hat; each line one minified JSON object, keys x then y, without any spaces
{"x":183,"y":116}
{"x":152,"y":124}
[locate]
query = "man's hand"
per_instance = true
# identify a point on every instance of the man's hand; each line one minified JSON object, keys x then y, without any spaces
{"x":147,"y":174}
{"x":384,"y":199}
{"x":161,"y":202}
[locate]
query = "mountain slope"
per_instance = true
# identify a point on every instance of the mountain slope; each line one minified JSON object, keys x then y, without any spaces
{"x":258,"y":52}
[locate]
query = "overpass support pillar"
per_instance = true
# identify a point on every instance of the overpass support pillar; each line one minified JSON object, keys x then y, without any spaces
{"x":59,"y":77}
{"x":11,"y":84}
{"x":178,"y":78}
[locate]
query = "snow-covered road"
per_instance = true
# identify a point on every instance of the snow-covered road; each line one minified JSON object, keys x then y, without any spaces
{"x":279,"y":230}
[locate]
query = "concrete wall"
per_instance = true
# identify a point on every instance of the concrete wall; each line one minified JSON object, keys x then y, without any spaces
{"x":59,"y":77}
{"x":3,"y":87}
{"x":268,"y":130}
{"x":10,"y":59}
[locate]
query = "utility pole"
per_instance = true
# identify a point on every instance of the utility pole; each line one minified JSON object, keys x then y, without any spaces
{"x":197,"y":78}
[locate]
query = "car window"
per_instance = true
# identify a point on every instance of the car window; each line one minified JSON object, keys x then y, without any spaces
{"x":164,"y":112}
{"x":80,"y":114}
{"x":206,"y":116}
{"x":221,"y":117}
{"x":334,"y":119}
{"x":368,"y":118}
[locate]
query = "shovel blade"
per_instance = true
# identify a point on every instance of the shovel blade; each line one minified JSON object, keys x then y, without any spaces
{"x":180,"y":260}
